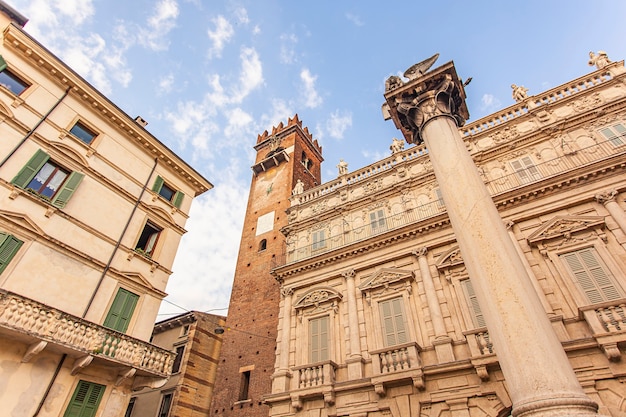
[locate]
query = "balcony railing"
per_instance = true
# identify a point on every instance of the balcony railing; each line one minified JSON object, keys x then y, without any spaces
{"x":34,"y":319}
{"x":573,"y":159}
{"x":395,"y":359}
{"x":315,"y":375}
{"x":608,"y":325}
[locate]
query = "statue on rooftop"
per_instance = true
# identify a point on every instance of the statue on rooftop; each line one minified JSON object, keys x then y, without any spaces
{"x":519,"y":93}
{"x":342,"y":167}
{"x":600,"y":60}
{"x":299,"y":188}
{"x":397,"y":145}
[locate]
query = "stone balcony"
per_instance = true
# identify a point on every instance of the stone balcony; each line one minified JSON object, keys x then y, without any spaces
{"x":608,"y":325}
{"x":396,"y":363}
{"x":44,"y":327}
{"x":311,"y":380}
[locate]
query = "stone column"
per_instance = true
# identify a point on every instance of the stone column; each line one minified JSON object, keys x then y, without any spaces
{"x":442,"y":342}
{"x":355,"y":359}
{"x":608,"y":198}
{"x":281,"y":378}
{"x":539,"y":377}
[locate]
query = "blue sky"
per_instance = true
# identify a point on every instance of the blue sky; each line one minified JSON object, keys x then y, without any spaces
{"x":209,"y":76}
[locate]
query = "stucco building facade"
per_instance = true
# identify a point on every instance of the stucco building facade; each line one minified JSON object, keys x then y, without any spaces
{"x":378,"y":315}
{"x":93,"y":208}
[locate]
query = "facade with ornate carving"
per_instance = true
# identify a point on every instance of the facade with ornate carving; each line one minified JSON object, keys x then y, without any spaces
{"x":409,"y":290}
{"x":93,"y":210}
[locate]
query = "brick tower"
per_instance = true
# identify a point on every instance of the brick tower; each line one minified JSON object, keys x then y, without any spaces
{"x":247,"y":358}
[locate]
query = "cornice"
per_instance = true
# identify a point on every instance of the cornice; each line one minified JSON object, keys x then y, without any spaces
{"x":21,"y":43}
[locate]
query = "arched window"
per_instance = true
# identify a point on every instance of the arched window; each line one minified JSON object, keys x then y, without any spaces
{"x":263,"y":245}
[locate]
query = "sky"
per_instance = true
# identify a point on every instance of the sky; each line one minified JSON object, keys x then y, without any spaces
{"x":209,"y":76}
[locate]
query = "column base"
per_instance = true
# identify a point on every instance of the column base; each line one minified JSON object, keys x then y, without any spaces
{"x":557,"y":405}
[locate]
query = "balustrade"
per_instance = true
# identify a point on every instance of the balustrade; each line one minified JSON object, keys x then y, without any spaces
{"x":396,"y":359}
{"x":315,"y":375}
{"x":54,"y":326}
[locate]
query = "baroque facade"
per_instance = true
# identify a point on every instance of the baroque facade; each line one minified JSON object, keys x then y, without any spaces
{"x":389,"y":308}
{"x":93,"y":210}
{"x":196,"y":339}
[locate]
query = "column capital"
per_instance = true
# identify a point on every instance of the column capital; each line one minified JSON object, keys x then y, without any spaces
{"x":349,"y":273}
{"x":606,"y":196}
{"x":509,"y":225}
{"x":286,"y":291}
{"x":420,"y":252}
{"x":436,"y":93}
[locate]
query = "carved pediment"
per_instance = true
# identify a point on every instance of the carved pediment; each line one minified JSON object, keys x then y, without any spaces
{"x":450,"y":258}
{"x":21,"y":220}
{"x":385,"y":277}
{"x":317,"y":296}
{"x":564,"y":227}
{"x":139,"y":279}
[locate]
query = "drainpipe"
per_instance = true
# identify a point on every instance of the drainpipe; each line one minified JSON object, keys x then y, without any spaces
{"x":29,"y":134}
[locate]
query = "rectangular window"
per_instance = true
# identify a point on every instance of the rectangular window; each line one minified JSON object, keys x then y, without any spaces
{"x":12,"y":82}
{"x":131,"y":405}
{"x":592,"y":275}
{"x":377,"y":221}
{"x":318,"y":339}
{"x":526,"y":170}
{"x":439,"y":198}
{"x":319,"y":240}
{"x":147,"y":239}
{"x":180,"y":351}
{"x":9,"y":245}
{"x":121,"y":310}
{"x":616,"y":134}
{"x":167,"y":192}
{"x":470,"y":297}
{"x":393,"y":321}
{"x":245,"y":386}
{"x":83,"y":133}
{"x":47,"y":179}
{"x":166,"y":404}
{"x":85,"y":401}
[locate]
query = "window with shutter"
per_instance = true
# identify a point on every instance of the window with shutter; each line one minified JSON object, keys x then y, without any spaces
{"x":470,"y":297}
{"x":9,"y":245}
{"x":168,"y":192}
{"x":166,"y":404}
{"x":47,"y":179}
{"x":393,"y":321}
{"x":319,"y":240}
{"x":592,"y":275}
{"x":378,"y":222}
{"x":85,"y":401}
{"x":121,"y":310}
{"x":318,"y":339}
{"x":616,"y":134}
{"x":525,"y":169}
{"x":147,"y":240}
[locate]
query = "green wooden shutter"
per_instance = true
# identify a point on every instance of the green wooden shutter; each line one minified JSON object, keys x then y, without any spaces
{"x":67,"y":190}
{"x":472,"y":302}
{"x":178,"y":199}
{"x":158,"y":183}
{"x":31,"y":168}
{"x":3,"y":64}
{"x":85,"y":400}
{"x":121,"y":310}
{"x":9,"y":245}
{"x":318,"y":339}
{"x":393,"y":323}
{"x":591,"y":275}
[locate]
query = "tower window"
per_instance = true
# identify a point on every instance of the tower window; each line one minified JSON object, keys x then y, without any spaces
{"x":263,"y":245}
{"x":306,"y":162}
{"x":245,"y":385}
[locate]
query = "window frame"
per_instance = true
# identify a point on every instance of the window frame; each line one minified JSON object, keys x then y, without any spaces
{"x":384,"y":322}
{"x":9,"y":247}
{"x":527,"y":167}
{"x":318,"y":239}
{"x":81,"y":125}
{"x":377,"y":221}
{"x":316,"y":352}
{"x":83,"y":408}
{"x":146,"y":244}
{"x":476,"y":315}
{"x":16,"y":79}
{"x":121,"y":311}
{"x":166,"y":397}
{"x":177,"y":197}
{"x":35,"y":164}
{"x":615,"y":134}
{"x":178,"y":359}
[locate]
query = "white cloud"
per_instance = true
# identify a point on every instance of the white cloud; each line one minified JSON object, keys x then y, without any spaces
{"x":373,"y":156}
{"x":311,"y":98}
{"x":242,"y":15}
{"x":166,"y":83}
{"x":256,"y":30}
{"x":159,"y":24}
{"x":489,"y":103}
{"x":338,"y":123}
{"x":251,"y":76}
{"x":238,"y":122}
{"x":220,"y":36}
{"x":287,"y":48}
{"x":355,"y":19}
{"x":280,"y":111}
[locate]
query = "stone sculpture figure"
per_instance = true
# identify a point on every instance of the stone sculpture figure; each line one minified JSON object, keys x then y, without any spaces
{"x":397,"y":145}
{"x":342,"y":167}
{"x":298,"y":189}
{"x":519,"y":93}
{"x":600,"y":60}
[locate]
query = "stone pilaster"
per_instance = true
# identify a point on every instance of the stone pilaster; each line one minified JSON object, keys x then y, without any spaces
{"x":281,"y":378}
{"x":538,"y":374}
{"x":355,"y":359}
{"x":442,"y":342}
{"x":609,"y":200}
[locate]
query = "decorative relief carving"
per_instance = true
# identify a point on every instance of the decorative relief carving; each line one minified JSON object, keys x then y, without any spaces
{"x":587,"y":102}
{"x":450,"y":259}
{"x":319,"y":207}
{"x":606,"y":196}
{"x":564,"y":227}
{"x":387,"y":279}
{"x":372,"y":187}
{"x":317,"y":297}
{"x":505,"y":134}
